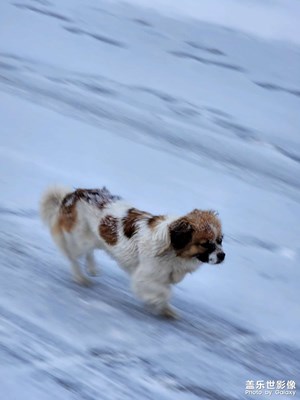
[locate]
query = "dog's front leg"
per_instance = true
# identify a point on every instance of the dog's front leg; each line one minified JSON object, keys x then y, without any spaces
{"x":154,"y":293}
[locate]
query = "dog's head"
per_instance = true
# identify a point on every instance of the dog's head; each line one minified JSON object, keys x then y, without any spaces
{"x":198,"y":235}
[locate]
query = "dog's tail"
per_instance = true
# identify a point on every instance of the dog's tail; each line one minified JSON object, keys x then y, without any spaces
{"x":50,"y":203}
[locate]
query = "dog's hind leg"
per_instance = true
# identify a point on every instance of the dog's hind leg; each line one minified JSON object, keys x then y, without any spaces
{"x":77,"y":273}
{"x":78,"y":276}
{"x":91,"y":264}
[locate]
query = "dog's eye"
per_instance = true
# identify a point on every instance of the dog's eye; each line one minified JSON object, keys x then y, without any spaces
{"x":219,"y":240}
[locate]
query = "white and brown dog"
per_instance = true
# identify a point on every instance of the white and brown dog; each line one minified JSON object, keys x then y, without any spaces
{"x":156,"y":250}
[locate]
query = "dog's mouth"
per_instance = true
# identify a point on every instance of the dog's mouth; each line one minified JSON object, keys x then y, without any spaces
{"x":210,"y":258}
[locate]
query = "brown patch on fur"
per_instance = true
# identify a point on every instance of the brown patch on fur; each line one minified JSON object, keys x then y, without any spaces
{"x":67,"y":214}
{"x":130,"y":221}
{"x":108,"y":229}
{"x":155,"y":220}
{"x":201,"y":227}
{"x":56,"y":229}
{"x":191,"y":251}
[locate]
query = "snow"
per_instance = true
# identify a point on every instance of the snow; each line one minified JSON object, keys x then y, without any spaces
{"x":170,"y":113}
{"x":269,"y":19}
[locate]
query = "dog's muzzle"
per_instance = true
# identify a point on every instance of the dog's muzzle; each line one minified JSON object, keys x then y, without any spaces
{"x":206,"y":257}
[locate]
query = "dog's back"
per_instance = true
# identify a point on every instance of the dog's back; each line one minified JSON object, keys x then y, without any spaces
{"x":85,"y":219}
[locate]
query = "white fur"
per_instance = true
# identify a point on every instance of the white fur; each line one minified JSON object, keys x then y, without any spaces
{"x":147,"y":256}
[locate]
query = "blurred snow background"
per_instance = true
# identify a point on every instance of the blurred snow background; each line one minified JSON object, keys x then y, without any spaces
{"x":173,"y":105}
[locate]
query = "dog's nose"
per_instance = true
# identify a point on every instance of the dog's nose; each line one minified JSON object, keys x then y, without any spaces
{"x":221,"y":257}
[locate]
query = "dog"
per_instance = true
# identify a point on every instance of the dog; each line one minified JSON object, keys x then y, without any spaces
{"x":156,"y":250}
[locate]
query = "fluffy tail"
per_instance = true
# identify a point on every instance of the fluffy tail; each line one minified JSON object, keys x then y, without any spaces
{"x":50,"y":203}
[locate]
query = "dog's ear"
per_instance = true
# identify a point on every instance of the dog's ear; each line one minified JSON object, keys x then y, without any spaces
{"x":181,"y":232}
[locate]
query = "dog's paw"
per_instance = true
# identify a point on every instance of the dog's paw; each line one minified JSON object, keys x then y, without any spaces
{"x":93,"y":272}
{"x":83,"y":281}
{"x":169,"y":313}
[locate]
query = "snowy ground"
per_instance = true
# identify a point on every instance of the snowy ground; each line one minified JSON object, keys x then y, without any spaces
{"x":172,"y":114}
